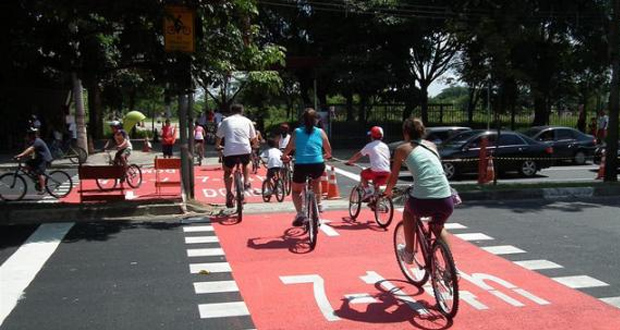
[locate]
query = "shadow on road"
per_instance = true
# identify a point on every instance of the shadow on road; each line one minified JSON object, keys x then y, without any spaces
{"x":571,"y":205}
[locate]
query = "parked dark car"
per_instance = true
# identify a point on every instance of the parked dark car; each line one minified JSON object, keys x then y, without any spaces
{"x":434,"y":134}
{"x":568,"y":143}
{"x":460,"y":154}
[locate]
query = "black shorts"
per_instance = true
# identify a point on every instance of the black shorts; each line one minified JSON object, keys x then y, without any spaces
{"x":167,"y":149}
{"x":301,"y":171}
{"x":37,"y":166}
{"x":231,"y":161}
{"x":439,"y":209}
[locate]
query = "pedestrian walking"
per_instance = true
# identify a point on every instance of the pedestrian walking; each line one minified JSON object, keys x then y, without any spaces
{"x":168,"y":137}
{"x":602,"y":122}
{"x":581,"y":121}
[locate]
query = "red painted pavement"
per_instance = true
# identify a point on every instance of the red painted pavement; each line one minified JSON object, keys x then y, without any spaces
{"x":265,"y":252}
{"x":209,"y":186}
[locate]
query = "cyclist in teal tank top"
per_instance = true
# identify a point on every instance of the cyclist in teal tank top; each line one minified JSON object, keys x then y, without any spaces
{"x":431,"y":195}
{"x":309,"y":143}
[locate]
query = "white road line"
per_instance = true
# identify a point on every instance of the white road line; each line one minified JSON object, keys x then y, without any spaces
{"x":201,"y":239}
{"x":211,"y":267}
{"x":228,"y":309}
{"x":327,"y":229}
{"x":614,"y":301}
{"x":22,"y":267}
{"x":205,"y":252}
{"x":503,"y":249}
{"x":538,"y":264}
{"x":579,"y":282}
{"x":348,"y":174}
{"x":196,"y":229}
{"x":454,"y":225}
{"x":474,"y":237}
{"x":215,"y":287}
{"x":360,"y":298}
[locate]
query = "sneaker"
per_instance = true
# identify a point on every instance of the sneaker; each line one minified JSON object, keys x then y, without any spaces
{"x":248,"y":186}
{"x":268,"y":192}
{"x":299,"y":220}
{"x":40,"y":192}
{"x":404,"y":255}
{"x":367,"y":195}
{"x":230,"y":201}
{"x":322,"y":207}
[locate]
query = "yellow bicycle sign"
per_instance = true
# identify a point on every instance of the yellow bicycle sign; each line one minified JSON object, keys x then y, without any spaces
{"x":179,"y":29}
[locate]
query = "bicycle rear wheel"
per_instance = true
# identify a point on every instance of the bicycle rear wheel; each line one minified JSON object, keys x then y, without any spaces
{"x":416,"y":273}
{"x":267,"y":190}
{"x":384,"y":211}
{"x":239,"y":189}
{"x":312,"y":221}
{"x":77,"y":155}
{"x":134,"y":176}
{"x":106,"y":184}
{"x":12,"y":187}
{"x":279,"y":190}
{"x":444,"y":279}
{"x":58,"y":184}
{"x":355,"y":202}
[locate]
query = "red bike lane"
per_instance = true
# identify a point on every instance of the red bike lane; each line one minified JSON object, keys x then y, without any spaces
{"x":352,"y":281}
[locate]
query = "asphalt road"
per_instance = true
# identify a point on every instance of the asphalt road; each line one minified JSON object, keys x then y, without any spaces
{"x":120,"y":275}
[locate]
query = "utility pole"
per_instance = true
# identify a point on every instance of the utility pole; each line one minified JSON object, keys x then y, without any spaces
{"x":611,"y":163}
{"x":80,"y":114}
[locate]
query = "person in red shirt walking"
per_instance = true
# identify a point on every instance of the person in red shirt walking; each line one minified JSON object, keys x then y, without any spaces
{"x":168,"y":137}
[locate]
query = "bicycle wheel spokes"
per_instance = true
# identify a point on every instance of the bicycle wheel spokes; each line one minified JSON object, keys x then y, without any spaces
{"x":280,"y":190}
{"x":239,"y":196}
{"x":416,"y":272}
{"x":58,"y":184}
{"x":134,"y":176}
{"x":384,"y":211}
{"x":12,"y":187}
{"x":106,"y":184}
{"x":444,"y":279}
{"x":355,"y":202}
{"x":266,"y":190}
{"x":313,"y":222}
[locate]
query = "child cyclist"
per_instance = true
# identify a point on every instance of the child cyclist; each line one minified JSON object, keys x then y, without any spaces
{"x":273,"y":157}
{"x":379,"y":155}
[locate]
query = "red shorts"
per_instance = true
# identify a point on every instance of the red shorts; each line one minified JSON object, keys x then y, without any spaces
{"x":379,"y":178}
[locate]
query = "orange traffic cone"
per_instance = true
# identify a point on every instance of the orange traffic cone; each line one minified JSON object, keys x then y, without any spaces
{"x":490,"y":170}
{"x":324,"y":183}
{"x":601,"y":168}
{"x":146,"y":147}
{"x":333,"y":191}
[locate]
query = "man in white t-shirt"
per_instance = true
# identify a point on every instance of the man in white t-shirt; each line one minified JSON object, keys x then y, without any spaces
{"x":379,"y":155}
{"x":239,"y":134}
{"x":285,"y":136}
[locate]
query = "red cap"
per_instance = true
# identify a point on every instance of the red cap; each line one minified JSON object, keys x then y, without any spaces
{"x":376,"y":132}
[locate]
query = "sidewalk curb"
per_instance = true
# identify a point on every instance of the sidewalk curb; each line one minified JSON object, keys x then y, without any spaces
{"x":27,"y":213}
{"x":541,"y":193}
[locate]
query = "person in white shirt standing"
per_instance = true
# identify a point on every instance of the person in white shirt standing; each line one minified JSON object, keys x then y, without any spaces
{"x":379,"y":155}
{"x":239,"y":135}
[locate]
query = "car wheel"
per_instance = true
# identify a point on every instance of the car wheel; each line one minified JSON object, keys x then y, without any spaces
{"x":450,"y":170}
{"x":528,"y":168}
{"x":580,"y":158}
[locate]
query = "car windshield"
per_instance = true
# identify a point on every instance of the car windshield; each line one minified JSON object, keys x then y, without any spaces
{"x":458,"y":140}
{"x":532,"y":131}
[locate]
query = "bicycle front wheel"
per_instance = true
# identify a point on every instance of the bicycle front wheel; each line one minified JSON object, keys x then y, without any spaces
{"x":416,"y":272}
{"x":58,"y":184}
{"x":355,"y":202}
{"x":240,"y":191}
{"x":444,"y":279}
{"x":12,"y":187}
{"x":134,"y":176}
{"x":77,"y":155}
{"x":384,"y":211}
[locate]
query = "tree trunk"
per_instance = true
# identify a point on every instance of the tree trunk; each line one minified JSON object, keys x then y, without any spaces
{"x":79,"y":112}
{"x":362,"y":109}
{"x":471,"y":104}
{"x":611,"y":163}
{"x":350,"y":114}
{"x":95,"y":111}
{"x":541,"y":116}
{"x":424,"y":103}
